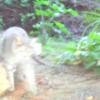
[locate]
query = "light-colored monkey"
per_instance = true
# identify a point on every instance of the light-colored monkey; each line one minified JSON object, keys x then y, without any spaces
{"x":16,"y":51}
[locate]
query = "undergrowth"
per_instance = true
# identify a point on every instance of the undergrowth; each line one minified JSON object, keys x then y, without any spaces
{"x":84,"y":52}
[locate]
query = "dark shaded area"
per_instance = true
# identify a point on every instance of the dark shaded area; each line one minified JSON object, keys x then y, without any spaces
{"x":11,"y":14}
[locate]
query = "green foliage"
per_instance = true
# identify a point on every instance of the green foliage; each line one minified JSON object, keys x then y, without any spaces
{"x":73,"y":12}
{"x":85,"y":52}
{"x":1,"y":23}
{"x":26,"y":16}
{"x":53,"y":48}
{"x":24,"y":3}
{"x":92,"y":20}
{"x":46,"y":14}
{"x":91,"y":16}
{"x":8,"y":2}
{"x":60,"y":27}
{"x":48,"y":11}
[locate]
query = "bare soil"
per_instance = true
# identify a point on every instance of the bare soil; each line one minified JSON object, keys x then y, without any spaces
{"x":62,"y":83}
{"x":69,"y":83}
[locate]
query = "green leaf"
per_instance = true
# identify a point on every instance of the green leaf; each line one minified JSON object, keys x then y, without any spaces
{"x":58,"y":8}
{"x":8,"y":2}
{"x":73,"y":12}
{"x":39,"y":12}
{"x":47,"y":47}
{"x":41,"y":3}
{"x":71,"y":46}
{"x":94,"y":36}
{"x":61,"y":26}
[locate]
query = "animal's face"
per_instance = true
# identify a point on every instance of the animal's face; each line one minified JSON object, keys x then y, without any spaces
{"x":22,"y":50}
{"x":18,"y":41}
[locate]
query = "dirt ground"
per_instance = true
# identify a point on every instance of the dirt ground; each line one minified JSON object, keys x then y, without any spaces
{"x":69,"y":83}
{"x":63,"y":83}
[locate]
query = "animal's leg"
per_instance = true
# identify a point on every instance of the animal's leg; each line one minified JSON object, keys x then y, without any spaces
{"x":10,"y":69}
{"x":29,"y":76}
{"x":11,"y":80}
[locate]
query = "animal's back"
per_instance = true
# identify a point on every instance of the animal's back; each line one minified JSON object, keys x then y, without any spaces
{"x":15,"y":30}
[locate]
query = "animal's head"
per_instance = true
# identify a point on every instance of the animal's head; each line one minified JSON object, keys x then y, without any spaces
{"x":33,"y":47}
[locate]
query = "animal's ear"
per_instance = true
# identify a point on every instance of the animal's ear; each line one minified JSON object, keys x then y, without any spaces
{"x":18,"y":41}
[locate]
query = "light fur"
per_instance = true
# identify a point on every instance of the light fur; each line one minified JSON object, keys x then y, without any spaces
{"x":16,"y":52}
